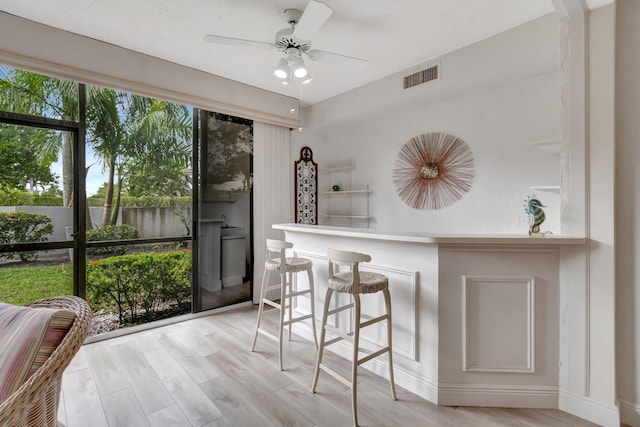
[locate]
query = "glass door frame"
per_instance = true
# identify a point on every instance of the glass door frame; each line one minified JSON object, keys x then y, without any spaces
{"x":77,"y":130}
{"x":200,"y":120}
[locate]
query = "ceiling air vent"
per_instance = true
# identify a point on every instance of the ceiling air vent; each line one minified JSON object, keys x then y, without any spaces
{"x":420,"y":77}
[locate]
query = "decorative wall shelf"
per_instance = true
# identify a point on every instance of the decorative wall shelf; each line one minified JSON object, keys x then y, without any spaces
{"x":331,"y":169}
{"x":547,"y":188}
{"x":548,"y":145}
{"x":349,"y":216}
{"x":340,"y":208}
{"x":348,"y":192}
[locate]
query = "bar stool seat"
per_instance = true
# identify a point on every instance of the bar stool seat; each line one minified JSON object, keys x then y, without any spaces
{"x":291,"y":264}
{"x":370,"y":283}
{"x":286,"y":267}
{"x":354,"y":282}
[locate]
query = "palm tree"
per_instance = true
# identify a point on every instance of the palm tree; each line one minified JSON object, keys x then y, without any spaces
{"x":131,"y":132}
{"x":126,"y":131}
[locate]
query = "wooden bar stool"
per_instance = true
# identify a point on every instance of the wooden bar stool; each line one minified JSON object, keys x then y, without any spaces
{"x":285,"y":267}
{"x":354,"y":282}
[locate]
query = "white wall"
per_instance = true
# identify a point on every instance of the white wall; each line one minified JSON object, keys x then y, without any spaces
{"x":627,"y":128}
{"x":507,"y":103}
{"x":601,"y":190}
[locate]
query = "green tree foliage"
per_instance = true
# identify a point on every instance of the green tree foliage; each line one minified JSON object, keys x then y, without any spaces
{"x":132,"y":135}
{"x":170,"y":179}
{"x":229,"y":152}
{"x":21,"y":165}
{"x":39,"y":95}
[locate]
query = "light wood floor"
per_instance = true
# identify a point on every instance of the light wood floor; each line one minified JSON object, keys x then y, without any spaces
{"x":201,"y":373}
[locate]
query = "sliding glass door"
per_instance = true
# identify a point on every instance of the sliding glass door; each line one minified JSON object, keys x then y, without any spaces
{"x":225,"y":210}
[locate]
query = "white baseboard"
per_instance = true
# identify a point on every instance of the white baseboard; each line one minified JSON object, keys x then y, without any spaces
{"x":402,"y":377}
{"x":498,"y":395}
{"x":494,"y":395}
{"x":629,"y":413}
{"x":589,"y":409}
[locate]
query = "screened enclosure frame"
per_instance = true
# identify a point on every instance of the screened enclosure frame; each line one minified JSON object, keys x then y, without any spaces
{"x":79,"y":243}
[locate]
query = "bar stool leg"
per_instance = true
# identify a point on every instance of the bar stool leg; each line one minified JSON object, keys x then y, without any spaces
{"x":283,"y":293}
{"x":354,"y":366}
{"x":263,"y":292}
{"x":325,"y":312}
{"x":312,"y":297}
{"x":292,"y":289}
{"x":387,"y":302}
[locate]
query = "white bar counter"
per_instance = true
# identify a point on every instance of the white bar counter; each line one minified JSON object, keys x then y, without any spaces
{"x":466,"y":239}
{"x":475,"y":317}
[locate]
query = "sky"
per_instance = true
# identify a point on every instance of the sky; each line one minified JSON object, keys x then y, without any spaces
{"x":95,"y":178}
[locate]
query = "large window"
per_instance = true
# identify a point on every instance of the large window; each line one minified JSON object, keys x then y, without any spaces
{"x":120,"y":233}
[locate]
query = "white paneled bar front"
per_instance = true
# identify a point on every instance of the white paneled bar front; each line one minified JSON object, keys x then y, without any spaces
{"x":476,"y":317}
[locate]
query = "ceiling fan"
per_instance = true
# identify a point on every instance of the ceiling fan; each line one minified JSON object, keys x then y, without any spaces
{"x":295,"y":42}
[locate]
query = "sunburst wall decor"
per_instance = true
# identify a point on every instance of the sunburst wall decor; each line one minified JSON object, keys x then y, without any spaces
{"x":433,"y":170}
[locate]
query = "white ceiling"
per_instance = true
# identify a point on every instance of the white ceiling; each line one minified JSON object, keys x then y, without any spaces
{"x":392,"y":35}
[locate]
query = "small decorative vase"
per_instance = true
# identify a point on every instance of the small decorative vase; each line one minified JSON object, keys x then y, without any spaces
{"x":533,"y":208}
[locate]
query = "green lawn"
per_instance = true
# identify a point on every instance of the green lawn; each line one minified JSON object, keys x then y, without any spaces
{"x":21,"y":285}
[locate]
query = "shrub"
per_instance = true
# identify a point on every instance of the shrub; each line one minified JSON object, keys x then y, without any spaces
{"x":22,"y":227}
{"x":10,"y":197}
{"x":111,"y":232}
{"x":139,"y":285}
{"x":47,"y":200}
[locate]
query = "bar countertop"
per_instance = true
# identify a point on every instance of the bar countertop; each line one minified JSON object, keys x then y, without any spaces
{"x":434,"y":238}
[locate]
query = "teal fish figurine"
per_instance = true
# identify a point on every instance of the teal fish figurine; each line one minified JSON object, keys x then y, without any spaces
{"x":533,"y":208}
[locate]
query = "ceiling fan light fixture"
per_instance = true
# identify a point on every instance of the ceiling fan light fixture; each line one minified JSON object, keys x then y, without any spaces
{"x":295,"y":41}
{"x":299,"y":69}
{"x":282,"y":71}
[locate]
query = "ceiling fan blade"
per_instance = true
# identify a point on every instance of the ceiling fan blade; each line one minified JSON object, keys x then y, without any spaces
{"x":230,"y":41}
{"x":312,"y":19}
{"x":337,"y":59}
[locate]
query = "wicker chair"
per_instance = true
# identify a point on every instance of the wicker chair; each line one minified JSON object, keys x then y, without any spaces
{"x":35,"y":403}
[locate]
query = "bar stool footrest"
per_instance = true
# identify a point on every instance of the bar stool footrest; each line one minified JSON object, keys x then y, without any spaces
{"x":335,"y":375}
{"x":341,"y":335}
{"x":339,"y":309}
{"x":373,"y":355}
{"x":374,"y":320}
{"x":296,"y":319}
{"x":268,"y":334}
{"x":272,"y":304}
{"x":295,"y":294}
